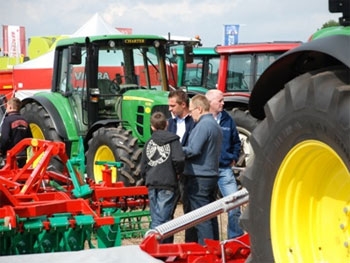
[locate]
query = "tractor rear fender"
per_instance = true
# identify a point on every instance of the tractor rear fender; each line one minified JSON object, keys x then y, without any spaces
{"x":316,"y":54}
{"x":102,"y":123}
{"x":236,"y":100}
{"x":52,"y":111}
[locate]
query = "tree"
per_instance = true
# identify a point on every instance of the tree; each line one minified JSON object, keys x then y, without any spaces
{"x":330,"y":23}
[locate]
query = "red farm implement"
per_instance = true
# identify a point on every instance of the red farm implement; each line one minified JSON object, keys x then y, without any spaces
{"x":229,"y":251}
{"x":42,"y":210}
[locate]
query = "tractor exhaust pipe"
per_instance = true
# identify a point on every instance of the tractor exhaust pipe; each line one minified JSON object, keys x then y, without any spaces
{"x":200,"y":215}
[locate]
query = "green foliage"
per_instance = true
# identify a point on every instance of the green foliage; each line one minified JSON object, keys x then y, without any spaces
{"x":330,"y":23}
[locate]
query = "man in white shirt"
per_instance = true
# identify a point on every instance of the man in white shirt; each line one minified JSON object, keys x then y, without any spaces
{"x":181,"y":124}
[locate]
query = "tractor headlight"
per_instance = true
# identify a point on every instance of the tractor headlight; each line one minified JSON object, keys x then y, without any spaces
{"x":156,"y":43}
{"x":111,"y":44}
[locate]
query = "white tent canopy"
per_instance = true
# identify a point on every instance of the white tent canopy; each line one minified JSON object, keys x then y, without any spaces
{"x":94,"y":26}
{"x":44,"y":61}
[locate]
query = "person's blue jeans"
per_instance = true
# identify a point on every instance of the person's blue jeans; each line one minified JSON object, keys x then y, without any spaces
{"x":162,"y":204}
{"x":201,"y":190}
{"x":228,"y":185}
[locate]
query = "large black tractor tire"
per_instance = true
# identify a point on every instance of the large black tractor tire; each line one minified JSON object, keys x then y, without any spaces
{"x":3,"y":101}
{"x":42,"y":127}
{"x":245,"y":123}
{"x":40,"y":122}
{"x":299,"y":181}
{"x":115,"y":145}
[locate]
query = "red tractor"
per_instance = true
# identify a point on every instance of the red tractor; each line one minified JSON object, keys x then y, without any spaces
{"x":232,"y":69}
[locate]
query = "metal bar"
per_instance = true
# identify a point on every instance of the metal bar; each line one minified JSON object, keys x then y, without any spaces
{"x":202,"y":214}
{"x":236,"y":168}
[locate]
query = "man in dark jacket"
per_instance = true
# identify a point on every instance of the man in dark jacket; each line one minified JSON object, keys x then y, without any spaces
{"x":161,"y":163}
{"x":181,"y":123}
{"x":14,"y":128}
{"x":230,"y":151}
{"x":202,"y":164}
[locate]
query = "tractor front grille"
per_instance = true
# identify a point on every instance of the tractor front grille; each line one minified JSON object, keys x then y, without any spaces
{"x":141,"y":123}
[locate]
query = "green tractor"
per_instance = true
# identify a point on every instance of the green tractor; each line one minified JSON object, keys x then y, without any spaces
{"x":104,"y":90}
{"x":200,"y":73}
{"x":299,"y":180}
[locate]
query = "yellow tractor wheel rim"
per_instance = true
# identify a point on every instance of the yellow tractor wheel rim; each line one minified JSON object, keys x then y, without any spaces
{"x":36,"y":131}
{"x":310,"y":206}
{"x":104,"y":153}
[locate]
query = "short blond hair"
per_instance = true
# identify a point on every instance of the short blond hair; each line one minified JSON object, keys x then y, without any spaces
{"x":15,"y":103}
{"x":200,"y":100}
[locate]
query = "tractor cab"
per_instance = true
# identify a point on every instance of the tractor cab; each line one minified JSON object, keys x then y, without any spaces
{"x":95,"y":74}
{"x":104,"y":89}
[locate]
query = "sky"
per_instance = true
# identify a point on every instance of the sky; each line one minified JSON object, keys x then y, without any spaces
{"x":259,"y":20}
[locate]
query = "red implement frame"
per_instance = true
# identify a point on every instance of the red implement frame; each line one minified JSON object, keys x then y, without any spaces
{"x":234,"y":250}
{"x":34,"y":190}
{"x":229,"y":251}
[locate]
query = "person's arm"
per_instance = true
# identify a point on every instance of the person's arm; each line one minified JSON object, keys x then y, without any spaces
{"x":196,"y":141}
{"x":5,"y":136}
{"x":236,"y":142}
{"x":143,"y":163}
{"x":178,"y":157}
{"x":171,"y":125}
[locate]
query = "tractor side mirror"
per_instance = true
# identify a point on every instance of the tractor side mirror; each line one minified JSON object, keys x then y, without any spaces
{"x":74,"y":55}
{"x":188,"y":54}
{"x":118,"y":78}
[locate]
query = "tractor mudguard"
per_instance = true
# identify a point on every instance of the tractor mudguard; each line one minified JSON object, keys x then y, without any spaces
{"x":52,"y":111}
{"x":236,"y":98}
{"x":316,"y":54}
{"x":99,"y":124}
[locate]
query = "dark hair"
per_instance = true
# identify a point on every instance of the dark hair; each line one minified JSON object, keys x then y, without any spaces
{"x":158,"y":120}
{"x":180,"y":95}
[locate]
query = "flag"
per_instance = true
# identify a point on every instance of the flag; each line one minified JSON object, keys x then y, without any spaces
{"x":231,"y":34}
{"x":14,"y":41}
{"x":125,"y":30}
